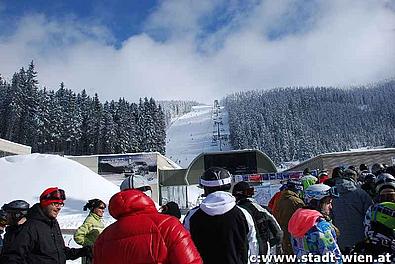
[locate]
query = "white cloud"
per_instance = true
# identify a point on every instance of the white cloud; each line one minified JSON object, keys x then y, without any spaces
{"x":340,"y":43}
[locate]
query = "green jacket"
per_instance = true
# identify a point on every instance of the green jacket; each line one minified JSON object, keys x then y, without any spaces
{"x":87,"y":233}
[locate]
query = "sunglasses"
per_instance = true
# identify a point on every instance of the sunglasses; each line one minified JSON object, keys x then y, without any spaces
{"x":58,"y":194}
{"x":56,"y":204}
{"x":101,"y":207}
{"x":144,"y":188}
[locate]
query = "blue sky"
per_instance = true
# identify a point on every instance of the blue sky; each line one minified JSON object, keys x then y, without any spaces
{"x":122,"y":18}
{"x":197,"y":50}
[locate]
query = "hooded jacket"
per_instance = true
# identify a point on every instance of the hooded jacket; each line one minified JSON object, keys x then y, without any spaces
{"x":349,"y":211}
{"x":288,"y":203}
{"x":222,"y":232}
{"x":39,"y":242}
{"x":142,"y":235}
{"x":312,"y":234}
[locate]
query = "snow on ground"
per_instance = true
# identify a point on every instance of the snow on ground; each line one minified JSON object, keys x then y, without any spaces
{"x":27,"y":176}
{"x":192,"y":134}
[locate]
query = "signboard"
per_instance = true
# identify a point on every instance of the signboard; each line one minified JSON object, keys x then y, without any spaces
{"x":263,"y":177}
{"x":127,"y":165}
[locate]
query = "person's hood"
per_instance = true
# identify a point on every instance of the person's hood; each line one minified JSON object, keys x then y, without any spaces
{"x":218,"y":203}
{"x":130,"y":202}
{"x":345,"y":185}
{"x":302,"y":221}
{"x":286,"y":194}
{"x":35,"y":212}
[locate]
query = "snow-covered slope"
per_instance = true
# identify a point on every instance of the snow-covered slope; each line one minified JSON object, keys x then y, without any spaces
{"x":192,"y":134}
{"x":27,"y":176}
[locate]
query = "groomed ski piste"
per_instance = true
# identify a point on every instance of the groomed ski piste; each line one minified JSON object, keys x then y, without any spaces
{"x":194,"y":133}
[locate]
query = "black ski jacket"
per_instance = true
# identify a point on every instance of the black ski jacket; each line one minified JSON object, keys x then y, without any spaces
{"x":39,"y":242}
{"x":268,"y":230}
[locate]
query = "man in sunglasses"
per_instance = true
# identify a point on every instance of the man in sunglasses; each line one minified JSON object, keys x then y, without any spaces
{"x":40,"y":239}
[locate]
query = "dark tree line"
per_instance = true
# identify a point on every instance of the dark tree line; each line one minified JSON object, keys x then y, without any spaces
{"x":76,"y":124}
{"x":299,"y":123}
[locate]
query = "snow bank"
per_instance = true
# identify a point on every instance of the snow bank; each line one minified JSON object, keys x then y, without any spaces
{"x":26,"y":176}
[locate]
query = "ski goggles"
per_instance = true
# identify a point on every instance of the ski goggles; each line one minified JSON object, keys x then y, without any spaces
{"x":58,"y":194}
{"x":144,"y":188}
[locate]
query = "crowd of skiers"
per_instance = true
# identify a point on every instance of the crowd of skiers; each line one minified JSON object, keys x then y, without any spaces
{"x":353,"y":211}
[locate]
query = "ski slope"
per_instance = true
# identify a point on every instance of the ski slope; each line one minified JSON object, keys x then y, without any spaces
{"x":192,"y":134}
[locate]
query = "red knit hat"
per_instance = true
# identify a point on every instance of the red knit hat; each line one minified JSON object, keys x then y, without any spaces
{"x":52,"y":195}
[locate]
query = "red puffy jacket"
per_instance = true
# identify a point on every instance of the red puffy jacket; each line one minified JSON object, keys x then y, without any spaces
{"x":142,"y":235}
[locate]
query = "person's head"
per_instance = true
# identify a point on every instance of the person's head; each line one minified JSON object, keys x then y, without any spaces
{"x":369,"y":178}
{"x":308,"y":180}
{"x":215,"y":179}
{"x":387,"y":193}
{"x":52,"y":201}
{"x":242,"y":190}
{"x":307,"y":171}
{"x":363,"y":167}
{"x":323,"y":176}
{"x":319,"y":197}
{"x":337,"y":172}
{"x":171,"y":208}
{"x":378,"y":168}
{"x":293,"y":185}
{"x":384,"y":180}
{"x":136,"y":182}
{"x":350,"y":174}
{"x":16,"y":210}
{"x":95,"y":206}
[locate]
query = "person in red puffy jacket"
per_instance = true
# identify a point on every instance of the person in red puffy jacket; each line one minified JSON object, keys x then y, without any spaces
{"x":142,"y":235}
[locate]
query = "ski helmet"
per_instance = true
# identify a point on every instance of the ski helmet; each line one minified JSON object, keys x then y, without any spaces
{"x":242,"y":189}
{"x":16,"y":206}
{"x":382,"y":180}
{"x":318,"y":192}
{"x":377,"y":168}
{"x":216,"y":179}
{"x":17,"y":209}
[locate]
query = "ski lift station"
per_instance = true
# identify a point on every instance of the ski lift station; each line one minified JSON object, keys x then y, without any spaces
{"x":238,"y":162}
{"x":8,"y":148}
{"x":167,"y":179}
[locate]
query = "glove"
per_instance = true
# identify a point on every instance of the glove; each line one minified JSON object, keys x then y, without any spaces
{"x":87,"y":251}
